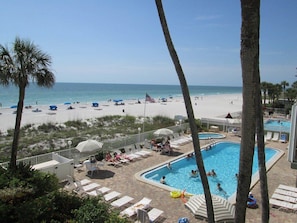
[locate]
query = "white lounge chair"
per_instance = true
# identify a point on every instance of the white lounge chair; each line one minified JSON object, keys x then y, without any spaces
{"x":286,"y":192}
{"x":268,"y":136}
{"x":83,"y":189}
{"x":289,"y":188}
{"x":91,"y":167}
{"x":122,"y":201}
{"x":111,"y":196}
{"x":98,"y":191}
{"x":143,"y":216}
{"x":144,"y":203}
{"x":275,"y":137}
{"x":71,"y":184}
{"x":284,"y":198}
{"x":283,"y":204}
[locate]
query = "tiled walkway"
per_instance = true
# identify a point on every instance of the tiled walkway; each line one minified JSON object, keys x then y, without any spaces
{"x":122,"y":179}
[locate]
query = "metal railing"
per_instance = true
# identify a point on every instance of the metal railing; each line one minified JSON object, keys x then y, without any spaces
{"x":143,"y":138}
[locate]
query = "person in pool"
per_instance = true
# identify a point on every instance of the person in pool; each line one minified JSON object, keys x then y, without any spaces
{"x":220,"y":189}
{"x":212,"y":173}
{"x":162,"y":181}
{"x":194,"y":173}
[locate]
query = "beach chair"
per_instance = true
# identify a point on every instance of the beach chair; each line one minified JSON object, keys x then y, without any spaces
{"x":286,"y":192}
{"x":283,"y":138}
{"x":143,"y":216}
{"x":98,"y":191}
{"x":144,"y":203}
{"x":289,"y":188}
{"x":268,"y":136}
{"x":284,"y":198}
{"x":111,"y":196}
{"x":283,"y":205}
{"x":275,"y":137}
{"x":83,"y":189}
{"x":121,"y":202}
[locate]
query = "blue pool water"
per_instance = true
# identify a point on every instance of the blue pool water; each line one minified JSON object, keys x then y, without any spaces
{"x":223,"y":158}
{"x":277,"y":125}
{"x":210,"y":135}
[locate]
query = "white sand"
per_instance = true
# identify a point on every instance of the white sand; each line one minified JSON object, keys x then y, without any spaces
{"x":204,"y":107}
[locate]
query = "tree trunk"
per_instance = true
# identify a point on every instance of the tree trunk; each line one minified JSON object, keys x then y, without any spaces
{"x":250,"y":71}
{"x":16,"y":134}
{"x":189,"y":109}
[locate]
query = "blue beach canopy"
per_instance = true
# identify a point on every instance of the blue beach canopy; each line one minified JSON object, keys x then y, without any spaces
{"x":67,"y":103}
{"x":117,"y":100}
{"x":13,"y":106}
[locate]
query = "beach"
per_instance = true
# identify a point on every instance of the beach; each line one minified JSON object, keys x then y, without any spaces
{"x":206,"y":106}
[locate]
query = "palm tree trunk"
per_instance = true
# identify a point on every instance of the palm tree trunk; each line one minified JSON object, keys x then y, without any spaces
{"x":17,"y":128}
{"x":261,"y":157}
{"x":189,"y":109}
{"x":250,"y":71}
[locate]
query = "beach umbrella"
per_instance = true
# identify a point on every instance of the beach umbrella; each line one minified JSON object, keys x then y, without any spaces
{"x":89,"y":146}
{"x":117,"y":100}
{"x":163,"y":132}
{"x":223,"y":209}
{"x":13,"y":106}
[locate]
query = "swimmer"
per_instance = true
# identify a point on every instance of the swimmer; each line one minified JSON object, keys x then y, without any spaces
{"x":169,"y":166}
{"x":212,"y":173}
{"x":220,"y":189}
{"x":236,"y":176}
{"x":162,"y":181}
{"x":194,"y":173}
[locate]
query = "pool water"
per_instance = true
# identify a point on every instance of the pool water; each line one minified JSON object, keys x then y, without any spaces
{"x":210,"y":135}
{"x":277,"y":125}
{"x":222,"y":157}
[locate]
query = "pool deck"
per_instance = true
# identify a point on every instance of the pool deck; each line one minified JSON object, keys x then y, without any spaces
{"x":122,"y":179}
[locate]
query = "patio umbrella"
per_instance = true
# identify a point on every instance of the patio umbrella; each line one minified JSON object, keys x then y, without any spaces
{"x":223,"y":209}
{"x":163,"y":132}
{"x":89,"y":146}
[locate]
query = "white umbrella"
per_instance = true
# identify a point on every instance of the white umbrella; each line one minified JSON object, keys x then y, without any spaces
{"x":223,"y":209}
{"x":88,"y":146}
{"x":163,"y":132}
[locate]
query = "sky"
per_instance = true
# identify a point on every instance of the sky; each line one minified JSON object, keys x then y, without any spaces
{"x":116,"y":41}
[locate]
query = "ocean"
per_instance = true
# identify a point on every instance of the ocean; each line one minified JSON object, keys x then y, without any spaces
{"x":87,"y":93}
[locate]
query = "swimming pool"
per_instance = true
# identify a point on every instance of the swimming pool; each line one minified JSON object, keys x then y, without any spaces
{"x":223,"y":158}
{"x":277,"y":125}
{"x":210,"y":135}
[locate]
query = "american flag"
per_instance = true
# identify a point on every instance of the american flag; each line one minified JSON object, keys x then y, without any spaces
{"x":149,"y":98}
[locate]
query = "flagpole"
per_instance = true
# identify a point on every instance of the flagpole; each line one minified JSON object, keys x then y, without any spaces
{"x":144,"y":114}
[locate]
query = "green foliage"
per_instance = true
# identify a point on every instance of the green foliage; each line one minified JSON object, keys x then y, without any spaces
{"x":163,"y":121}
{"x":27,"y":196}
{"x":94,"y":210}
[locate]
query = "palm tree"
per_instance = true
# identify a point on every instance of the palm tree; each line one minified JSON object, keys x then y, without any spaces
{"x":264,"y":88}
{"x":20,"y":65}
{"x":189,"y":109}
{"x":284,"y":84}
{"x":251,"y":110}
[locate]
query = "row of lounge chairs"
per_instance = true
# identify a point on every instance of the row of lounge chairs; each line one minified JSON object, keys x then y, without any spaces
{"x":141,"y":209}
{"x":284,"y":198}
{"x":276,"y":136}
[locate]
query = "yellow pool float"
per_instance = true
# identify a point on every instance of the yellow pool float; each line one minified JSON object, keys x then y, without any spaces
{"x":175,"y":194}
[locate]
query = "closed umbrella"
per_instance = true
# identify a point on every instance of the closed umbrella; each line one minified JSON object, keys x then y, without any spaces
{"x":163,"y":132}
{"x":223,"y":209}
{"x":89,"y":146}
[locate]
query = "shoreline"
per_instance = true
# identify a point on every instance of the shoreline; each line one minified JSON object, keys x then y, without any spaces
{"x":206,"y":106}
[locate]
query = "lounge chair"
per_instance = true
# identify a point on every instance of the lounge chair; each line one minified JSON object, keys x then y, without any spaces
{"x":283,"y":204}
{"x":111,"y":196}
{"x":121,"y":202}
{"x":268,"y":136}
{"x":143,"y":216}
{"x":286,"y":192}
{"x":98,"y":191}
{"x":283,"y":138}
{"x":284,"y":198}
{"x":71,"y":184}
{"x":275,"y":137}
{"x":144,"y":203}
{"x":289,"y":188}
{"x":83,"y":189}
